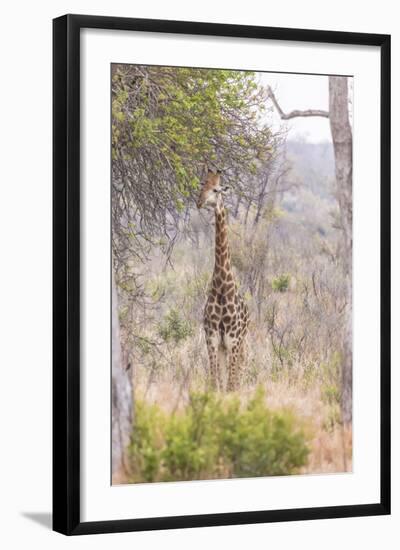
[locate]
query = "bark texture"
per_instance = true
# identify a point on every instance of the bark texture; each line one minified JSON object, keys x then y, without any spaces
{"x":122,"y":399}
{"x":343,"y":147}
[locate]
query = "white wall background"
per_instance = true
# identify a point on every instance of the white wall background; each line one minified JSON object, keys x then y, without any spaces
{"x":25,"y":287}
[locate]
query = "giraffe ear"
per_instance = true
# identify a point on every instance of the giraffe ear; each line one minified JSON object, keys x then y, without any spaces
{"x":207,"y":169}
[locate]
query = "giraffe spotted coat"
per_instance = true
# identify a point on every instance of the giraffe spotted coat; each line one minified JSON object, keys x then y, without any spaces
{"x":226,"y":316}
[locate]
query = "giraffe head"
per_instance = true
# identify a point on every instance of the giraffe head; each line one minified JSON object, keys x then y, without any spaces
{"x":211,"y":190}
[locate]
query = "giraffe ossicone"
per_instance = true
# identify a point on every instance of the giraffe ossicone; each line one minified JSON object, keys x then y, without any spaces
{"x":226,"y":316}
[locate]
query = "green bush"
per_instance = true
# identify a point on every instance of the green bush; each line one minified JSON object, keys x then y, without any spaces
{"x":216,"y":437}
{"x":281,"y":283}
{"x":174,"y":327}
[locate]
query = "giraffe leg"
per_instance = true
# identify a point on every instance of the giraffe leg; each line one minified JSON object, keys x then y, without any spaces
{"x":242,"y":356}
{"x":233,"y":375}
{"x":215,"y":380}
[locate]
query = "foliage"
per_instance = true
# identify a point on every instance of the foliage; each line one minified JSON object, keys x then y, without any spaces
{"x":174,"y":327}
{"x":166,"y":123}
{"x":281,"y":282}
{"x":216,"y":437}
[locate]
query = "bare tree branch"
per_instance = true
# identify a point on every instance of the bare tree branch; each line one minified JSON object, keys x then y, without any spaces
{"x":295,"y":113}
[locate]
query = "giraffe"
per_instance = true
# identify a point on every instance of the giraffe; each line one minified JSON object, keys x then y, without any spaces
{"x":226,"y":316}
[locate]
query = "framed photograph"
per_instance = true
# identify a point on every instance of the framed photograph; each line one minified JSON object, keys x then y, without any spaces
{"x":221,"y":274}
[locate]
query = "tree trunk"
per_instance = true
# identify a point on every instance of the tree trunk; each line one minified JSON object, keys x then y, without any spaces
{"x":343,"y":144}
{"x":122,"y":400}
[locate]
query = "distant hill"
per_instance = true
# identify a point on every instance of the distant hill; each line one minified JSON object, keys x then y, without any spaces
{"x":313,"y":164}
{"x":311,"y":202}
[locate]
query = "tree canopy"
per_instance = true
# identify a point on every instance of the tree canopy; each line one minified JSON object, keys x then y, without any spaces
{"x":167,"y":123}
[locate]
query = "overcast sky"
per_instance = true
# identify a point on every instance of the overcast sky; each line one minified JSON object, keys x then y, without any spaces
{"x":294,"y":91}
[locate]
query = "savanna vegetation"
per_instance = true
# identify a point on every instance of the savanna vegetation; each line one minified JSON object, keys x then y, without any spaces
{"x":290,"y":259}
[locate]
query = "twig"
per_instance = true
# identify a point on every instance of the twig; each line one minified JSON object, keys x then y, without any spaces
{"x":296,"y":112}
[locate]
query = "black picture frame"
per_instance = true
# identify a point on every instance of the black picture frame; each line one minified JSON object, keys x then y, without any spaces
{"x":66,"y":273}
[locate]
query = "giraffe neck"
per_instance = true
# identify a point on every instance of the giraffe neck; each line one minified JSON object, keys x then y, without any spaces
{"x":222,"y":253}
